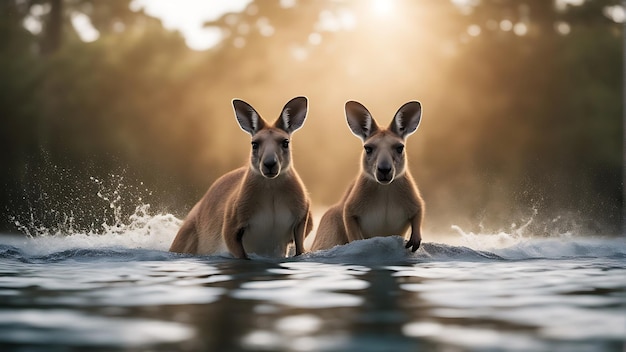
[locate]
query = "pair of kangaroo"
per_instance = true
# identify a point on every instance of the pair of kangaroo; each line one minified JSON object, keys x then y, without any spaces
{"x":262,"y":208}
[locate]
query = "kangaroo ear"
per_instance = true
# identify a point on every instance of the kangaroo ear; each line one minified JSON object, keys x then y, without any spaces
{"x":293,"y":115}
{"x":249,"y":120}
{"x":407,"y":119}
{"x":360,"y":121}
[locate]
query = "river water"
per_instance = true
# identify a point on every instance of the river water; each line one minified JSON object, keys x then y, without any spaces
{"x":120,"y":290}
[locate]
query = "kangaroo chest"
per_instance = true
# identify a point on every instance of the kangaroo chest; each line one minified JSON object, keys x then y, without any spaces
{"x":383,"y":215}
{"x":270,"y":227}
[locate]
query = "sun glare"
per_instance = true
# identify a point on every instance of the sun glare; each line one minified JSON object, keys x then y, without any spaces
{"x":84,"y":28}
{"x":188,"y":17}
{"x":382,"y":7}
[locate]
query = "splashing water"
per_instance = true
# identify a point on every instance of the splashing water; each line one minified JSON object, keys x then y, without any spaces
{"x":140,"y":229}
{"x":113,"y":286}
{"x":144,"y":229}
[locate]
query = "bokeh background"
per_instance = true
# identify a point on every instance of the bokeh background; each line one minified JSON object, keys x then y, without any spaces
{"x":105,"y":106}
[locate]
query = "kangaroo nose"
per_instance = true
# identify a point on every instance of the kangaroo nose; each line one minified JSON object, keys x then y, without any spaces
{"x":270,"y":167}
{"x":384,"y":169}
{"x":269,"y":163}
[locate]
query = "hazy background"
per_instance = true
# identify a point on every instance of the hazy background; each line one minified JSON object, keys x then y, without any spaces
{"x":103,"y":108}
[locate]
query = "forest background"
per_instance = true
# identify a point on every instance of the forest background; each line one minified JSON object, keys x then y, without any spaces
{"x":522,"y":106}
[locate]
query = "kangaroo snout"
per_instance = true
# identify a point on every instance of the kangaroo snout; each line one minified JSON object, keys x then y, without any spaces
{"x":270,"y":167}
{"x":384,"y":172}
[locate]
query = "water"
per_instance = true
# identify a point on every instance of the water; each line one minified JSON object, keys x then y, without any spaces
{"x":119,"y":289}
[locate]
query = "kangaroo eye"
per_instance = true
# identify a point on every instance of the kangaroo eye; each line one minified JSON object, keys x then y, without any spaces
{"x":286,"y":143}
{"x":368,"y":149}
{"x":255,"y":145}
{"x":400,"y":149}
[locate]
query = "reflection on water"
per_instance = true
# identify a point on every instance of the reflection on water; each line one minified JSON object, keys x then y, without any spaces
{"x":440,"y":298}
{"x":67,"y":328}
{"x":308,"y":285}
{"x":570,"y":301}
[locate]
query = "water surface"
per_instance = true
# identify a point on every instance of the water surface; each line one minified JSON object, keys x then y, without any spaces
{"x":122,"y":290}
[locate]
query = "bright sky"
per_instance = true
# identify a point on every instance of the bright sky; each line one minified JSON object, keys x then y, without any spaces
{"x":188,"y":16}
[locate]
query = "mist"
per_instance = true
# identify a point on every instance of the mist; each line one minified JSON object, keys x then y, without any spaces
{"x":522,"y":106}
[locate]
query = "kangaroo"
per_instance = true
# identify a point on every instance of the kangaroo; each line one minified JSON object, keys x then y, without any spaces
{"x":383,"y":200}
{"x":260,"y":208}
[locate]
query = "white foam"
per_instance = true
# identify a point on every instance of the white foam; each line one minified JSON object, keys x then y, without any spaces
{"x":519,"y":245}
{"x":142,"y":230}
{"x":147,"y":231}
{"x":500,"y":246}
{"x":370,"y":250}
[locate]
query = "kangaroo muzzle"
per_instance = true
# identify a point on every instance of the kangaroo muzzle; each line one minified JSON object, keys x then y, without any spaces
{"x":270,"y":168}
{"x":384,"y":172}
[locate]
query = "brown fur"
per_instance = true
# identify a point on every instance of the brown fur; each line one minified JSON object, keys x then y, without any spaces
{"x":383,"y":200}
{"x":259,"y":208}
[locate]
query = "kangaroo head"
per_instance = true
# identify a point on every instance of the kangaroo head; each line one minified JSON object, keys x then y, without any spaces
{"x":383,"y":157}
{"x":271,"y":153}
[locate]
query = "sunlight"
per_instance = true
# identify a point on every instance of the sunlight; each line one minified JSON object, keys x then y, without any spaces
{"x":562,"y":4}
{"x":562,"y":28}
{"x":84,"y":27}
{"x":189,"y":16}
{"x":615,"y":13}
{"x":520,"y":29}
{"x":330,"y":21}
{"x":474,"y":30}
{"x":506,"y":25}
{"x":32,"y":22}
{"x":382,"y":7}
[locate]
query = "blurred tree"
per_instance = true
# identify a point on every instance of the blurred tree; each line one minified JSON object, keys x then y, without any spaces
{"x":53,"y":28}
{"x":522,"y":102}
{"x":94,"y":108}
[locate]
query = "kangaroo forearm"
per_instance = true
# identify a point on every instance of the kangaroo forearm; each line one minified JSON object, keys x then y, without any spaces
{"x":353,"y":231}
{"x":416,"y":232}
{"x":233,"y":238}
{"x":298,"y":235}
